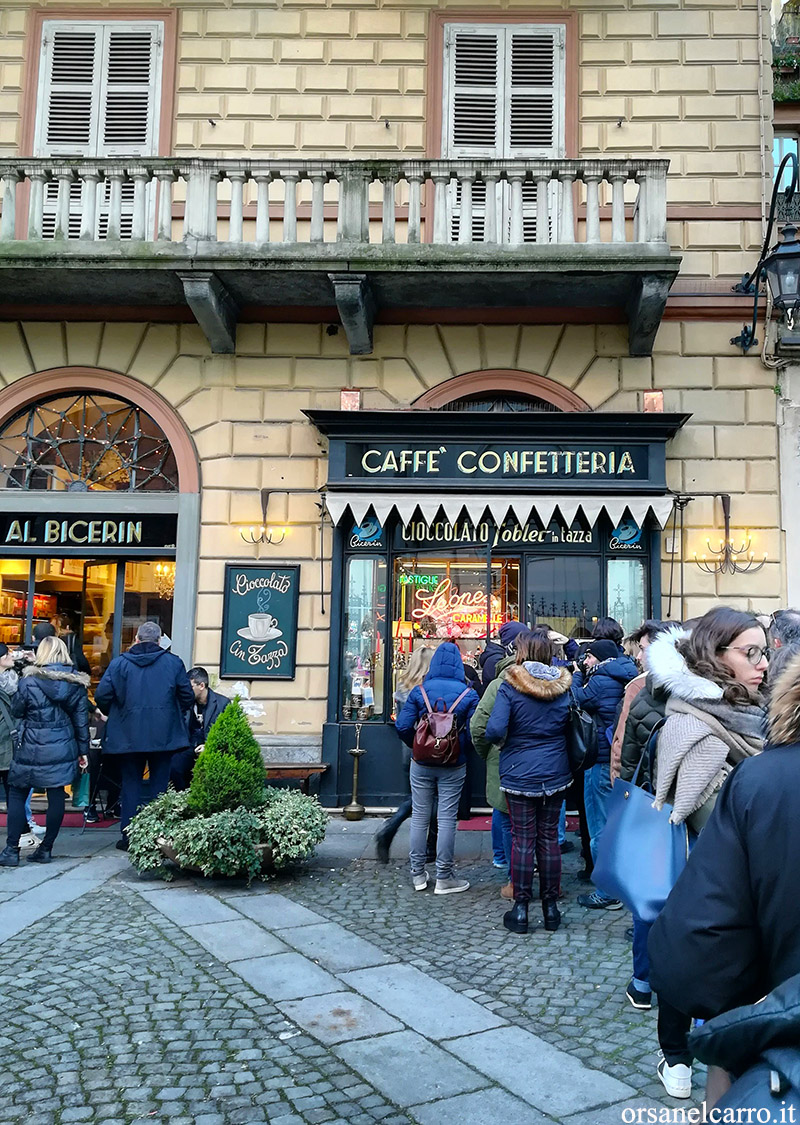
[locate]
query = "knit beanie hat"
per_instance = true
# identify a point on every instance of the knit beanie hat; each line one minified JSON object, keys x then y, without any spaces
{"x":603,"y":650}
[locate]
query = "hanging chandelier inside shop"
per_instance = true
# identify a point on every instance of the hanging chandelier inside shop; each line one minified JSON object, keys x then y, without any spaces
{"x":165,"y":580}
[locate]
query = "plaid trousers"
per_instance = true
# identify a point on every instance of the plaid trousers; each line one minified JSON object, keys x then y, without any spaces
{"x":534,"y":832}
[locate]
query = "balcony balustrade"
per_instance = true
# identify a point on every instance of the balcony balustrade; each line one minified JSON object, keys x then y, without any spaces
{"x":237,"y":233}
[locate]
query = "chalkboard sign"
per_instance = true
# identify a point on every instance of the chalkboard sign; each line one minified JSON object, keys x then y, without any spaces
{"x":259,"y":622}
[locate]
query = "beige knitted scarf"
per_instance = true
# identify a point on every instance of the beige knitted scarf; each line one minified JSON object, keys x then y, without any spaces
{"x":698,"y":747}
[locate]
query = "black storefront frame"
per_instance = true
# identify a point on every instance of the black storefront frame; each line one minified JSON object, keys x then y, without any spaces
{"x":383,"y":758}
{"x":381,"y":728}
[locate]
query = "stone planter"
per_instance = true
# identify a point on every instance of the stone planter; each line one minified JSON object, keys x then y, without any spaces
{"x":267,"y":864}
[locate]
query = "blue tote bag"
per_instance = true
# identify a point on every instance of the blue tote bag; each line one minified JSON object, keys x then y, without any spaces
{"x":640,"y":853}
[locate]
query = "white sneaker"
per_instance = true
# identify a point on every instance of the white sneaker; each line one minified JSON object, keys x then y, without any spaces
{"x":28,"y":840}
{"x":677,"y":1080}
{"x":450,"y":886}
{"x":35,"y":830}
{"x":420,"y":881}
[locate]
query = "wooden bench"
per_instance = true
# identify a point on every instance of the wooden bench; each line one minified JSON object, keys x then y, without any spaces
{"x":281,"y":771}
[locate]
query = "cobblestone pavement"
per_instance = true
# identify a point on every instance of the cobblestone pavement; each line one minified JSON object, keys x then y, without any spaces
{"x":336,"y":994}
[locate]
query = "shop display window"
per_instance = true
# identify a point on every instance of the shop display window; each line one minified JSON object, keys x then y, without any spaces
{"x":443,"y":598}
{"x":14,"y":577}
{"x":364,"y":639}
{"x":564,"y":592}
{"x":626,"y":592}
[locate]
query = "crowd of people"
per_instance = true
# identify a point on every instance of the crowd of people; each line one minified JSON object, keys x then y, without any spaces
{"x":154,"y":718}
{"x":714,"y":693}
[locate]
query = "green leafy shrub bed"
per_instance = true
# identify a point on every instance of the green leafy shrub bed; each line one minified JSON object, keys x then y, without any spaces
{"x":228,"y":822}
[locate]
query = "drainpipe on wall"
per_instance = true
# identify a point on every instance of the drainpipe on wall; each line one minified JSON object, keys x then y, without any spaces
{"x":789,"y":465}
{"x":766,"y":109}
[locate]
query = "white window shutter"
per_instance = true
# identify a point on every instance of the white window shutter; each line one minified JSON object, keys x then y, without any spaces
{"x":128,"y":116}
{"x":473,"y":87}
{"x":535,"y":93}
{"x":99,"y":95}
{"x":68,"y":80}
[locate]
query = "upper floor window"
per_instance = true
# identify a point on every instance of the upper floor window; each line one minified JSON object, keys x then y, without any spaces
{"x":781,"y":145}
{"x":98,"y":96}
{"x":503,"y":99}
{"x":503,"y":91}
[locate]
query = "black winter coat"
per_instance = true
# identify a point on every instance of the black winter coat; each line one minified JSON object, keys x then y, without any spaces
{"x":52,"y":708}
{"x":600,"y":693}
{"x":728,"y":934}
{"x":750,"y":1043}
{"x":645,"y":711}
{"x":146,"y":694}
{"x":215,"y":705}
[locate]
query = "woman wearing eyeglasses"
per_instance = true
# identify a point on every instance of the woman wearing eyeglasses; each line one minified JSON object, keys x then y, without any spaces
{"x":715,"y":718}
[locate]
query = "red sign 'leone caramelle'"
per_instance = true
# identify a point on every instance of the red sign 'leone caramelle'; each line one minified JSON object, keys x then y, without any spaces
{"x":446,"y":603}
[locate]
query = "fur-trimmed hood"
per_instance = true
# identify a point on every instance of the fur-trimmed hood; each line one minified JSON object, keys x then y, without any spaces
{"x":670,"y":672}
{"x":58,"y":672}
{"x":521,"y":679}
{"x":783,"y":723}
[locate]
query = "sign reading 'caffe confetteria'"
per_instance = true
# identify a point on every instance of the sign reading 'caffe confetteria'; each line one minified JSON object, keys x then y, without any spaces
{"x":466,"y":462}
{"x":259,"y":622}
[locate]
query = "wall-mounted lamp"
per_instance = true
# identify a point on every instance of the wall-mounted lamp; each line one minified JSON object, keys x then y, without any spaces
{"x":780,"y":268}
{"x":263,"y":533}
{"x":727,"y":559}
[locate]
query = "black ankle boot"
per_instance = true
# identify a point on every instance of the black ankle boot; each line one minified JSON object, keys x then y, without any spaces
{"x":383,"y":840}
{"x":41,"y":855}
{"x":552,"y":915}
{"x":516,"y":919}
{"x":9,"y":857}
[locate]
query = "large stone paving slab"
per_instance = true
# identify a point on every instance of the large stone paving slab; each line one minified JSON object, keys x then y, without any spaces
{"x":408,"y":1069}
{"x":285,"y":976}
{"x":334,"y":947}
{"x":188,"y":907}
{"x":540,"y":1074}
{"x":612,"y":1114}
{"x":237,"y":940}
{"x":274,"y":911}
{"x":484,"y":1107}
{"x":339,"y":1016}
{"x":419,"y":1000}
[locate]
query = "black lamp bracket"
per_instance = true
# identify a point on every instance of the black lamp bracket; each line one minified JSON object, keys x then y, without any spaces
{"x":750,"y":283}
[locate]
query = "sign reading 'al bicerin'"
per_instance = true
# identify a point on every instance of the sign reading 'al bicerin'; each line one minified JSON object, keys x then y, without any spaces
{"x":259,"y":622}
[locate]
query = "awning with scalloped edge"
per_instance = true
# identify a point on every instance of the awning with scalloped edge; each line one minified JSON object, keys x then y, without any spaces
{"x":500,"y":506}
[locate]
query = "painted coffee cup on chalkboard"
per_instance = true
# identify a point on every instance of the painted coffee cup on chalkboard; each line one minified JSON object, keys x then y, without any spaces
{"x":260,"y":624}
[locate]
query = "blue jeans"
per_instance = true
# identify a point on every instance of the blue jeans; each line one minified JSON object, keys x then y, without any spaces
{"x":131,"y":768}
{"x":28,"y":813}
{"x":596,"y":791}
{"x":505,"y":832}
{"x":562,"y":824}
{"x":426,"y":783}
{"x":498,"y":851}
{"x":641,"y":961}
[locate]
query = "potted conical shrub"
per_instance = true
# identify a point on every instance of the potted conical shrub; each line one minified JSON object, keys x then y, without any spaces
{"x":228,"y":822}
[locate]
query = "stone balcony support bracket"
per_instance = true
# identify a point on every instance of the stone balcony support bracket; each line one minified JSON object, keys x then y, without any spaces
{"x":214,"y":309}
{"x":356,"y":306}
{"x":645,"y":310}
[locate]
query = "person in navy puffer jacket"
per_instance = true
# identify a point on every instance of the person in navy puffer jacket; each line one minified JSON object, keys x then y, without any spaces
{"x":529,"y":719}
{"x":599,"y":690}
{"x":444,"y":683}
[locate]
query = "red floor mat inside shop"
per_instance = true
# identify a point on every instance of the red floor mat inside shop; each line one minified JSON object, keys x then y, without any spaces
{"x":71,"y":820}
{"x":475,"y":824}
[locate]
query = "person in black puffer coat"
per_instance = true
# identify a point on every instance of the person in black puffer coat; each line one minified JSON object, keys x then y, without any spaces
{"x":599,"y":691}
{"x":146,"y":694}
{"x":53,"y":706}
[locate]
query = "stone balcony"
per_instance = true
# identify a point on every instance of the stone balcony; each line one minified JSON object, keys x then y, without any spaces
{"x":354,"y":240}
